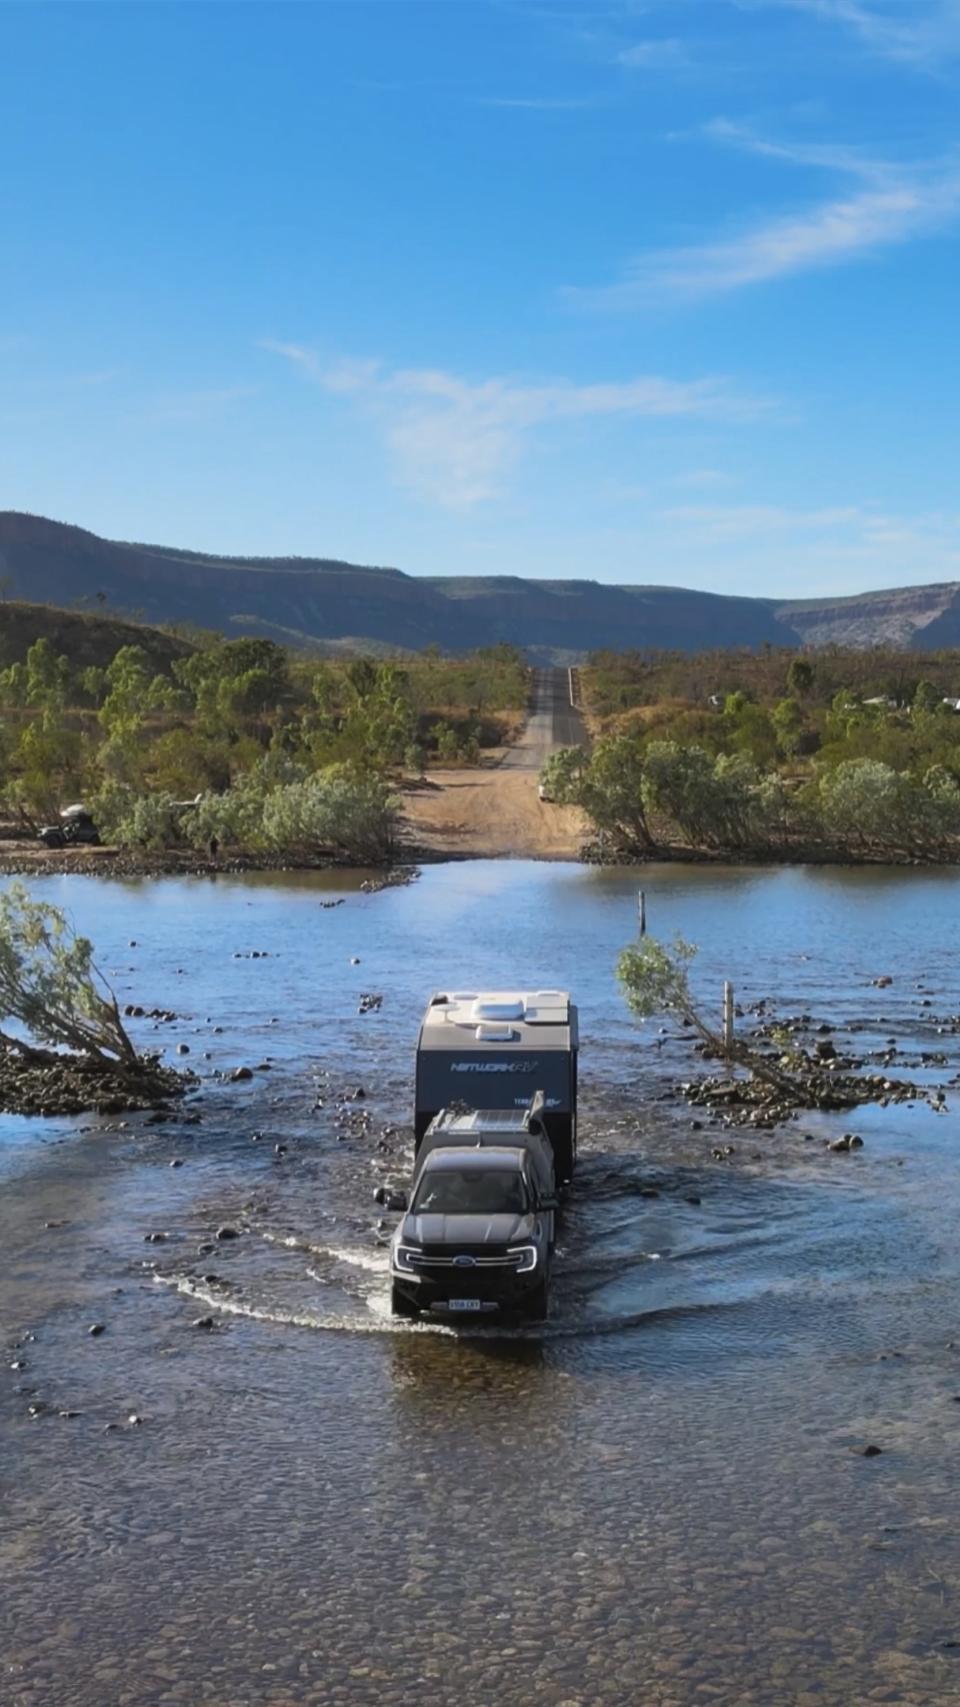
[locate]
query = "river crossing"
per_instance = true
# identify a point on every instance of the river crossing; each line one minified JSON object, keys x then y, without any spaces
{"x":658,"y":1497}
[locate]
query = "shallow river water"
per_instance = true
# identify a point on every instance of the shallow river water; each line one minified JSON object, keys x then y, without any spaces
{"x":659,"y":1496}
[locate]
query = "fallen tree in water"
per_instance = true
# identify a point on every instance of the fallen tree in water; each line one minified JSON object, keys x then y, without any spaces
{"x":655,"y":981}
{"x":71,"y":1050}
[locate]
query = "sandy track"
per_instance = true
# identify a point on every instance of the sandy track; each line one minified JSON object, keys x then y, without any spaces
{"x":498,"y":813}
{"x":490,"y":814}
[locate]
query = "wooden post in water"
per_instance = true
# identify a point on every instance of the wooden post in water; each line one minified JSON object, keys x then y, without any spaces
{"x":728,"y":1018}
{"x":642,"y":905}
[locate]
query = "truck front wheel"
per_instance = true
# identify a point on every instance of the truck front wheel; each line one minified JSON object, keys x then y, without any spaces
{"x":400,"y":1305}
{"x":535,"y":1304}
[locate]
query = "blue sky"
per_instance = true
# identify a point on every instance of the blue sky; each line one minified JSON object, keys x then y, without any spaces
{"x":640,"y":290}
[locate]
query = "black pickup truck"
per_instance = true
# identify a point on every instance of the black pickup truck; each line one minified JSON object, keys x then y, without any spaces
{"x":478,"y":1232}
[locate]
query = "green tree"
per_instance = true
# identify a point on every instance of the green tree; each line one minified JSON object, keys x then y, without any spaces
{"x":800,"y":678}
{"x":336,"y":813}
{"x":789,"y":723}
{"x":51,"y":987}
{"x":679,"y":784}
{"x":13,"y":685}
{"x":48,"y":677}
{"x":562,"y":775}
{"x":656,"y":980}
{"x":93,"y":684}
{"x":128,"y":682}
{"x":612,"y":794}
{"x":871,"y":806}
{"x":444,"y":738}
{"x":927,"y":699}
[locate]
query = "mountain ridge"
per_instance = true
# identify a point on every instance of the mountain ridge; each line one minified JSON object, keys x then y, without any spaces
{"x":328,"y":603}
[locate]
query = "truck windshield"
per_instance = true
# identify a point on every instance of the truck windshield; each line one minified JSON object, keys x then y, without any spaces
{"x":470,"y":1191}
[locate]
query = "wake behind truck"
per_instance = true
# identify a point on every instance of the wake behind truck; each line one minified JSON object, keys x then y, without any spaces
{"x":495,"y":1139}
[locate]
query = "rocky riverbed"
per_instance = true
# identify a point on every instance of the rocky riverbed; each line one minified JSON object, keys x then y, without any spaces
{"x":801,"y":1063}
{"x":65,"y":1084}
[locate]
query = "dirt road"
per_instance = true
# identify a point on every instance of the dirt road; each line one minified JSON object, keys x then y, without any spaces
{"x":552,"y":722}
{"x":497,"y":813}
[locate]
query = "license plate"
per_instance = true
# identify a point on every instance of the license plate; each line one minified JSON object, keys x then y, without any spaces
{"x":463,"y":1304}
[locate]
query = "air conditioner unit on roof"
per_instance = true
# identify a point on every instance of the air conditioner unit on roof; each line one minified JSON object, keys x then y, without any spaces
{"x":511,"y":1008}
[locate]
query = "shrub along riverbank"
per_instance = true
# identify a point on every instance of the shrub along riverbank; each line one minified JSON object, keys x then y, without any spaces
{"x":857,"y":776}
{"x":659,"y":799}
{"x":241,"y":750}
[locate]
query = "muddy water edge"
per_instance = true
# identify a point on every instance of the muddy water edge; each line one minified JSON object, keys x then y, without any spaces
{"x":251,"y":1486}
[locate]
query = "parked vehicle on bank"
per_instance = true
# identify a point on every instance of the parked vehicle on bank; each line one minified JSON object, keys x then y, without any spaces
{"x":492,"y":1050}
{"x":75,"y":828}
{"x":478,"y":1232}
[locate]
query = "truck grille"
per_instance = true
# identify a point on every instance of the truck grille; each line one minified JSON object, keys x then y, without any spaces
{"x":424,"y":1260}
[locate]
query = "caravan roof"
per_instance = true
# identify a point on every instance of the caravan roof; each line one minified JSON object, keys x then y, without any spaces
{"x":543,"y":1019}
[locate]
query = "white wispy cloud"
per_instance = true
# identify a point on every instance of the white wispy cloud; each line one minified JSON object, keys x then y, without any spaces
{"x":821,"y":549}
{"x":453,"y":441}
{"x":540,"y":103}
{"x":921,"y":33}
{"x":894,"y":206}
{"x":718,"y":522}
{"x":656,"y":53}
{"x":827,"y":156}
{"x":703,"y":478}
{"x":902,"y":545}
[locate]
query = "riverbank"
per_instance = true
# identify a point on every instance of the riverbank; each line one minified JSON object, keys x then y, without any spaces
{"x":31,"y":859}
{"x":475,"y":813}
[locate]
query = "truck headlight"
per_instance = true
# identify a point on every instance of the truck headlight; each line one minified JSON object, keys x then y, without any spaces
{"x":405,"y":1258}
{"x":527,"y":1257}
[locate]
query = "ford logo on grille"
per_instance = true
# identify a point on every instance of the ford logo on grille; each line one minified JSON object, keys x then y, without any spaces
{"x":464,"y":1262}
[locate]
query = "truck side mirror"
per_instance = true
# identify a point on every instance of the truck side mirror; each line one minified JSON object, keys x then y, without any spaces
{"x":547,"y":1203}
{"x":397,"y":1202}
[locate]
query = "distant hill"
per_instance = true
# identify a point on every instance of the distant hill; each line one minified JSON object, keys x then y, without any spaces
{"x":339,"y":607}
{"x":85,"y":639}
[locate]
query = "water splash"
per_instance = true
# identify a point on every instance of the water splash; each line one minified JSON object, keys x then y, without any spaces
{"x":379,"y":1320}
